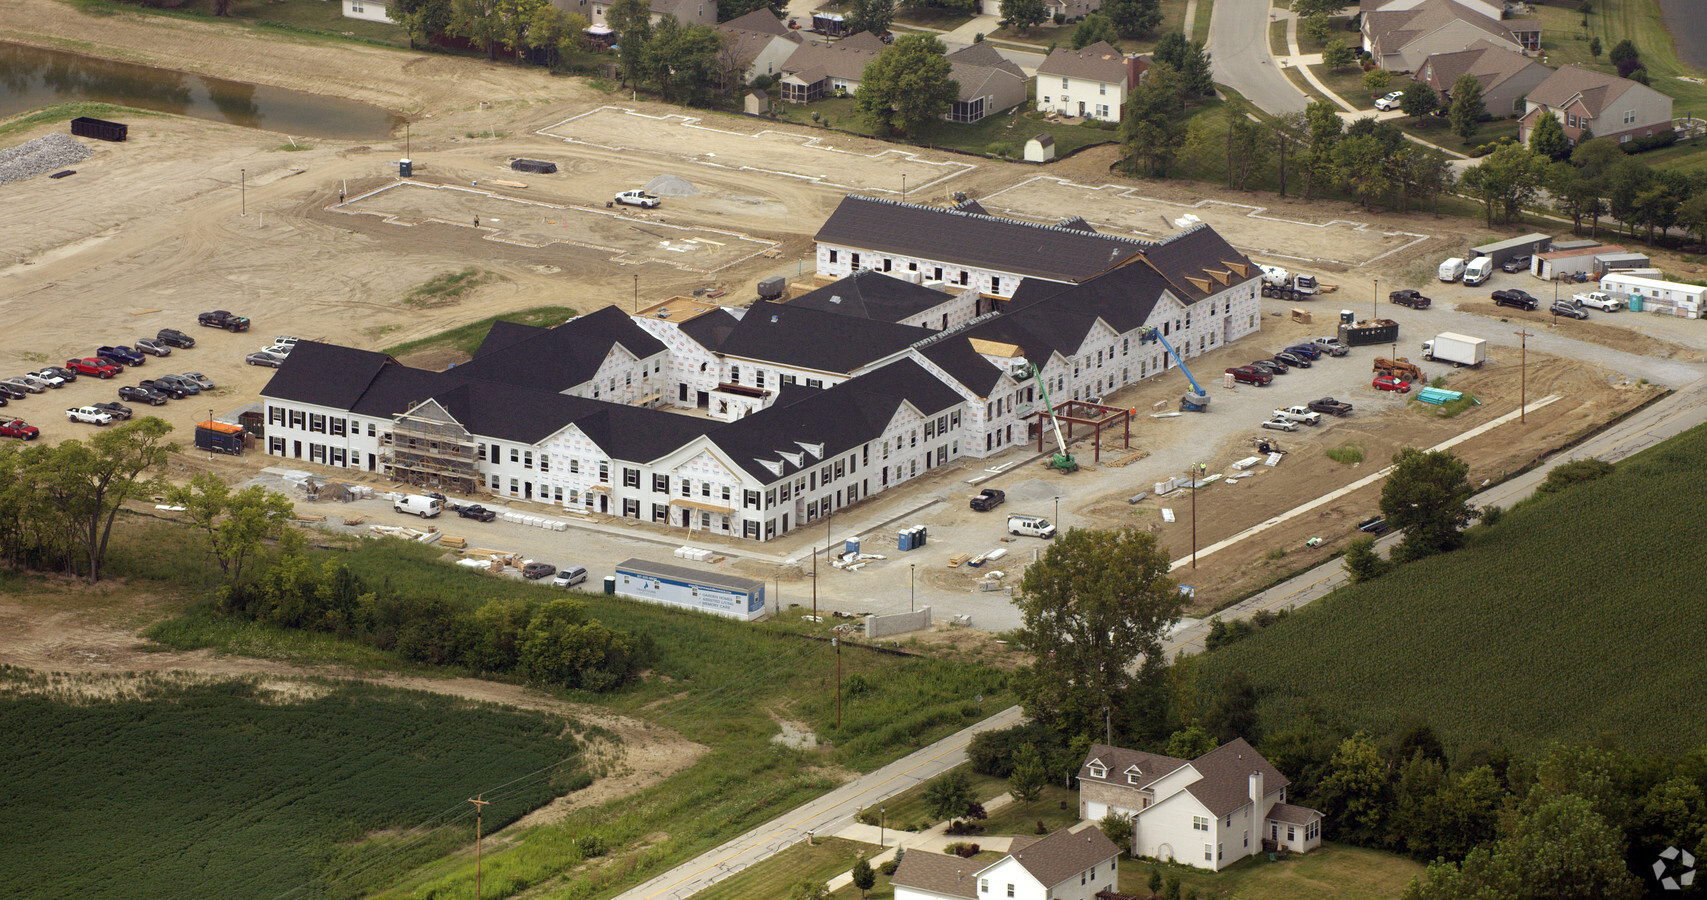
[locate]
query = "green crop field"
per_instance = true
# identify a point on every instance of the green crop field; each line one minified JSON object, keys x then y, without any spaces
{"x":179,"y":786}
{"x":1575,"y":616}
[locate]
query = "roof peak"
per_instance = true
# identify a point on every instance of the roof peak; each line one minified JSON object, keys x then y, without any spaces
{"x":1136,"y":242}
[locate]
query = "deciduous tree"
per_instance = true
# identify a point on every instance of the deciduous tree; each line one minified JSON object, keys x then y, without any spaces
{"x":1504,"y":181}
{"x":948,"y":795}
{"x":863,"y":876}
{"x":237,"y":523}
{"x":1133,"y":18}
{"x":1362,"y":164}
{"x":1336,"y":55}
{"x":632,"y":21}
{"x":1023,"y":15}
{"x":80,"y":487}
{"x":1095,"y":27}
{"x":1376,"y":81}
{"x":1153,"y":128}
{"x":1092,"y":607}
{"x":1427,"y":496}
{"x":424,"y":20}
{"x":874,"y":16}
{"x":1362,"y":562}
{"x":907,"y":86}
{"x":1419,"y":99}
{"x":1029,"y":776}
{"x":1467,"y":107}
{"x":1356,"y":791}
{"x":480,"y":22}
{"x":1547,"y":138}
{"x":682,"y":60}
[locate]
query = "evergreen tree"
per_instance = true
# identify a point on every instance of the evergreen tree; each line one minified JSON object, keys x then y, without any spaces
{"x":1467,"y":106}
{"x":1547,"y":139}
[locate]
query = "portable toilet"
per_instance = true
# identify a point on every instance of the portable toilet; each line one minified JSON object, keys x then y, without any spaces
{"x":851,"y":545}
{"x":904,"y":540}
{"x":610,"y":585}
{"x":1635,"y":303}
{"x":1347,"y":317}
{"x":924,"y":535}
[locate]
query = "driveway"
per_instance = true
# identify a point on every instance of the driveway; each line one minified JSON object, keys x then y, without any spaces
{"x":1238,"y":42}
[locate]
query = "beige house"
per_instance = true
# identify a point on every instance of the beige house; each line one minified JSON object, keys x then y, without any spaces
{"x":1609,"y":106}
{"x":1066,"y":865}
{"x":1091,"y":83}
{"x":758,"y":42}
{"x":816,"y":70}
{"x":687,"y":12}
{"x":1401,"y":39}
{"x":1506,"y":76}
{"x":1209,"y":812}
{"x":989,"y":82}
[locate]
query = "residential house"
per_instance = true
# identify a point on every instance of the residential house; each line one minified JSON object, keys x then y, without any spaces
{"x":1493,"y":9}
{"x":1091,"y":83}
{"x":989,"y":82}
{"x":1066,"y":865}
{"x":816,"y":70}
{"x":687,"y":12}
{"x":1609,"y":106}
{"x":1506,"y":76}
{"x":371,"y":10}
{"x":1068,"y":10}
{"x":1401,"y":39}
{"x":758,"y":42}
{"x":1209,"y":812}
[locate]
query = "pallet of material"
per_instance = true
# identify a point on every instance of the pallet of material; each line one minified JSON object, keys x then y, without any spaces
{"x":1129,"y":459}
{"x":1247,"y":462}
{"x":955,"y":561}
{"x":455,"y":543}
{"x":353,"y":521}
{"x":307,"y":517}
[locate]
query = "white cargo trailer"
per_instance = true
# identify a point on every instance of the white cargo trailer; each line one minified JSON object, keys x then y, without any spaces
{"x":1457,"y":349}
{"x":712,"y":592}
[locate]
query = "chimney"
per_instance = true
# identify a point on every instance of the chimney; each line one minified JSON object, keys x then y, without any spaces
{"x":1257,"y":812}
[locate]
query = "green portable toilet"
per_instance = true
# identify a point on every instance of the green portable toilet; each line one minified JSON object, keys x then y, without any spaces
{"x":1635,"y":302}
{"x":610,"y":585}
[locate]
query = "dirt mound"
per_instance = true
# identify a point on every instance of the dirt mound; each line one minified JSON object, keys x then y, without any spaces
{"x":671,"y":186}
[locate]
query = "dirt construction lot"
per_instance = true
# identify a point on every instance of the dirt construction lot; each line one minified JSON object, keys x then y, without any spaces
{"x":189,"y":216}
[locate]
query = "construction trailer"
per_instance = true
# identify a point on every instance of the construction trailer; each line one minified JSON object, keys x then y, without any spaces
{"x":1654,"y":295}
{"x":218,"y":437}
{"x":1527,"y":245}
{"x":711,"y":592}
{"x":427,"y":451}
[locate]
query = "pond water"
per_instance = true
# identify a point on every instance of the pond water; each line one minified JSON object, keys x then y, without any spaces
{"x":31,"y":78}
{"x":1686,"y":21}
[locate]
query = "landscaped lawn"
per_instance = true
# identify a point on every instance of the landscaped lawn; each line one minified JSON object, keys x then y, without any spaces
{"x":1438,"y":130}
{"x":775,"y":878}
{"x":1003,"y":132}
{"x":1022,"y":818}
{"x":1348,"y":83}
{"x":1044,"y":36}
{"x":1334,"y":870}
{"x":907,"y":808}
{"x":919,"y":16}
{"x":1308,"y":44}
{"x":312,"y":16}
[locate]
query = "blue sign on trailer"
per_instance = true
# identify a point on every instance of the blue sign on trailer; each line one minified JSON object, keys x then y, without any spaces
{"x":671,"y":585}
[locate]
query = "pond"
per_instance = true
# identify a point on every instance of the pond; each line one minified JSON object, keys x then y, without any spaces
{"x":31,"y":78}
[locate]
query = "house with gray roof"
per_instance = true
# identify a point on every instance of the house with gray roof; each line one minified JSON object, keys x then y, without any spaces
{"x":989,"y":83}
{"x":1400,"y":39}
{"x":817,"y":69}
{"x":1091,"y":83}
{"x":758,"y":43}
{"x":1506,"y":76}
{"x":1209,"y":812}
{"x":1584,"y":100}
{"x":1066,"y":865}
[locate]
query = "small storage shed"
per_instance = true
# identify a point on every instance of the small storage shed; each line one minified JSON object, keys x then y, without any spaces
{"x":671,"y":585}
{"x":1041,"y":148}
{"x":756,"y":103}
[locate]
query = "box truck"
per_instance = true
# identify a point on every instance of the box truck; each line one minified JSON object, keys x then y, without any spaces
{"x":1457,"y":349}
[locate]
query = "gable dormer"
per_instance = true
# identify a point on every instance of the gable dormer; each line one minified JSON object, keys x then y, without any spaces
{"x":1098,"y":770}
{"x":1133,"y":774}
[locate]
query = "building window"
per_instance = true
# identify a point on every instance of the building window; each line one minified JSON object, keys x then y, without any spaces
{"x":275,"y":415}
{"x":788,"y":379}
{"x":370,"y":429}
{"x":604,"y":472}
{"x":734,"y":374}
{"x":275,"y":446}
{"x":661,"y":484}
{"x":814,"y":382}
{"x":630,"y":477}
{"x":1063,"y":87}
{"x":1010,"y":889}
{"x":527,"y":460}
{"x":1200,"y":823}
{"x":1209,"y":852}
{"x":1102,"y":89}
{"x":1629,"y":117}
{"x":515,"y":455}
{"x":687,"y":487}
{"x":337,"y":426}
{"x":983,"y":885}
{"x":1290,"y":833}
{"x":513,"y":486}
{"x":832,"y":256}
{"x":298,"y":418}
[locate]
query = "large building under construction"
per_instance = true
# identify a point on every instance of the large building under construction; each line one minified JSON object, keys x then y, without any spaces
{"x":757,"y":421}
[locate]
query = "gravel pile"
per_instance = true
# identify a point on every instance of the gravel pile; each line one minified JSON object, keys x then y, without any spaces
{"x":41,"y":156}
{"x":671,"y":186}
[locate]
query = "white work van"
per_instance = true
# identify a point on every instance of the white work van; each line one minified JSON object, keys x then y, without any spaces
{"x":1033,"y":526}
{"x":415,"y":504}
{"x":1452,"y":269}
{"x":1479,"y":270}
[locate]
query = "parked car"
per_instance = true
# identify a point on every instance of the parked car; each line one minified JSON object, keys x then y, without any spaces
{"x":11,"y":392}
{"x":476,"y":512}
{"x":5,"y":400}
{"x":1332,"y":345}
{"x":118,"y":411}
{"x":1308,"y":351}
{"x":1389,"y":101}
{"x":26,"y":385}
{"x":1515,"y":298}
{"x":18,"y":428}
{"x":180,"y":382}
{"x":62,"y":372}
{"x":638,"y":198}
{"x":569,"y":576}
{"x":220,"y":318}
{"x":287,"y":339}
{"x":205,"y":382}
{"x":988,"y":499}
{"x":122,"y":355}
{"x":1411,"y":298}
{"x":94,"y":365}
{"x":153,"y":347}
{"x":1281,"y":425}
{"x":1301,"y":414}
{"x":48,"y":378}
{"x":89,"y":415}
{"x":1568,"y":309}
{"x":278,"y":349}
{"x":1390,"y":383}
{"x":142,"y":395}
{"x":264,"y":358}
{"x":163,"y":387}
{"x":538,"y":570}
{"x":1293,"y":360}
{"x":1250,"y":375}
{"x":174,"y":338}
{"x":1516,"y":264}
{"x":1374,"y":525}
{"x":1271,"y":366}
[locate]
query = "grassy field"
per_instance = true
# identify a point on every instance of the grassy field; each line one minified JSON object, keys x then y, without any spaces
{"x":1022,"y":818}
{"x":906,"y":811}
{"x":1200,"y":22}
{"x":307,"y":18}
{"x":775,"y":878}
{"x":1334,"y":870}
{"x":168,"y":786}
{"x":445,"y":289}
{"x":468,"y":337}
{"x":720,"y":683}
{"x":1348,"y":83}
{"x":1000,"y":134}
{"x":1510,"y":640}
{"x":65,"y":112}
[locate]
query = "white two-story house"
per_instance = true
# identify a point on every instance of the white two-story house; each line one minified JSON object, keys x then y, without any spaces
{"x":1066,"y":865}
{"x":1090,"y":83}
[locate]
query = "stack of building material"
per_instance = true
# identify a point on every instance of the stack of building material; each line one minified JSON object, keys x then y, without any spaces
{"x":1437,"y":396}
{"x":691,"y":553}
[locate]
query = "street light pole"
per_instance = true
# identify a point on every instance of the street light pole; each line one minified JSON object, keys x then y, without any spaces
{"x":912,"y":572}
{"x":1195,"y":470}
{"x":243,"y":189}
{"x":903,"y":187}
{"x":637,"y":293}
{"x":1057,"y":513}
{"x":1375,"y":302}
{"x":882,"y":820}
{"x":210,"y":437}
{"x":1523,"y":379}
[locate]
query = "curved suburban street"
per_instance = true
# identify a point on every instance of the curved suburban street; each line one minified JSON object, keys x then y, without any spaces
{"x":1238,"y":44}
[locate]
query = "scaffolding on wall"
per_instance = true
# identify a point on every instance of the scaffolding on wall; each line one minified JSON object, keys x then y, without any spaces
{"x":429,"y":452}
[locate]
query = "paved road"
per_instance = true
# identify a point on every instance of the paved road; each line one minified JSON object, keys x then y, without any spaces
{"x":1238,"y":42}
{"x":1683,"y":410}
{"x":823,"y":816}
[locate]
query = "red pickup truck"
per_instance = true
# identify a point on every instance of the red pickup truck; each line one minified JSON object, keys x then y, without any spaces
{"x":93,"y":366}
{"x":1250,"y":375}
{"x":17,"y":429}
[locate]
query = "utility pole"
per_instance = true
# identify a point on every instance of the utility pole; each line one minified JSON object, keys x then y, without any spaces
{"x":637,"y":293}
{"x":912,"y":594}
{"x":837,"y":643}
{"x":1523,"y":379}
{"x":210,"y":437}
{"x":1283,"y":165}
{"x":243,"y":189}
{"x":1193,"y":472}
{"x":479,"y":807}
{"x":1375,"y":301}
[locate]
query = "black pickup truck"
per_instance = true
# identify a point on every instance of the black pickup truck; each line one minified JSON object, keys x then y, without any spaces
{"x":1329,"y":406}
{"x":988,"y":499}
{"x":1411,"y":298}
{"x":477,"y":513}
{"x":219,"y":318}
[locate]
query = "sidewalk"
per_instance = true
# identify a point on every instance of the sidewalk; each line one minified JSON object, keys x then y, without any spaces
{"x":935,"y":840}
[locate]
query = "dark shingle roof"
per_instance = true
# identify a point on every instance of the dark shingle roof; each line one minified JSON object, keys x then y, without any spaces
{"x":1226,"y":771}
{"x":1191,"y":261}
{"x":326,"y":374}
{"x":950,"y":876}
{"x":1292,"y":815}
{"x":984,"y":54}
{"x":709,"y":329}
{"x":1098,"y":62}
{"x":1062,"y":855}
{"x":872,"y":295}
{"x":1598,"y":89}
{"x":813,"y":339}
{"x":557,"y":358}
{"x":956,"y":356}
{"x":1045,"y":251}
{"x":1150,"y":766}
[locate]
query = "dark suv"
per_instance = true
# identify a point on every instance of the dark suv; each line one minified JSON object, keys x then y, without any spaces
{"x":172,"y":337}
{"x":1515,"y":264}
{"x":1515,"y":298}
{"x":1568,"y":309}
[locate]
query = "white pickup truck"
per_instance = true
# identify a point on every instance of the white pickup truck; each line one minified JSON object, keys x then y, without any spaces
{"x":89,"y":415}
{"x":1600,"y":300}
{"x":1299,"y":414}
